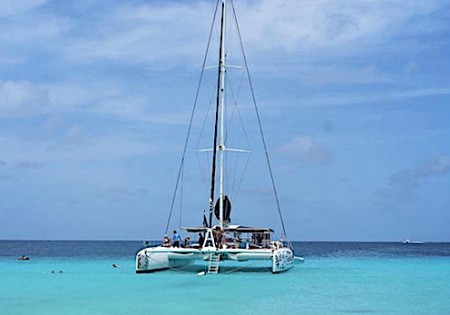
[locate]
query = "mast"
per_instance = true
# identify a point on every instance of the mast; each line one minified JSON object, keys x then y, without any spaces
{"x":222,"y":109}
{"x":220,"y":106}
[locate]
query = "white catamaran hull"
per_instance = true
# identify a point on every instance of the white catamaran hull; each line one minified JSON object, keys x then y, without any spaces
{"x":282,"y":260}
{"x":161,"y":258}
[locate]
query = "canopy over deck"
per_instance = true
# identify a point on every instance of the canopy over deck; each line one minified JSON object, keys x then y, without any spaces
{"x":231,"y":228}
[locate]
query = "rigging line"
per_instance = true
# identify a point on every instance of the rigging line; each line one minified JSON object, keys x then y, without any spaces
{"x":211,"y":94}
{"x":243,"y":128}
{"x":235,"y":98}
{"x":204,"y":122}
{"x":181,"y":198}
{"x":259,"y":121}
{"x":236,"y":108}
{"x":242,"y":177}
{"x":191,"y":119}
{"x":204,"y":177}
{"x":235,"y":173}
{"x":231,"y":115}
{"x":247,"y":162}
{"x":240,"y":85}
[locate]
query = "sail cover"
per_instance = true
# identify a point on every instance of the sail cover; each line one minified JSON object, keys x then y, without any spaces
{"x":226,"y":210}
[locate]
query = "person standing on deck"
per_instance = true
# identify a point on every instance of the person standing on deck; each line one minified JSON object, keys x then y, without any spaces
{"x":201,"y":239}
{"x":176,"y":239}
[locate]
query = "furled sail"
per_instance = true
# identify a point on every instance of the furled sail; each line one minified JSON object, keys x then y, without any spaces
{"x":226,"y":210}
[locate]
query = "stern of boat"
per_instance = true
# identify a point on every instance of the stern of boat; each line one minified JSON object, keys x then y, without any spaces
{"x":282,"y":260}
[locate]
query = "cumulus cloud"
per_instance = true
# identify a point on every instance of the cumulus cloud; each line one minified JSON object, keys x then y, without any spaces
{"x":154,"y":32}
{"x":314,"y":25}
{"x":403,"y":185}
{"x":163,"y":35}
{"x":21,"y":98}
{"x":305,"y":150}
{"x":108,"y":97}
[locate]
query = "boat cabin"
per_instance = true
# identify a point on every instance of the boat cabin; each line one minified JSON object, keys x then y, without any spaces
{"x":232,"y":236}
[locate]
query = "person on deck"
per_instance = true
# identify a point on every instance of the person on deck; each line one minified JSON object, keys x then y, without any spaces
{"x":176,"y":239}
{"x":218,"y":236}
{"x":201,"y":239}
{"x":237,"y":240}
{"x":166,"y":241}
{"x":187,"y":242}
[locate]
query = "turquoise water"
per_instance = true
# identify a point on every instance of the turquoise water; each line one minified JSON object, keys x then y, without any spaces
{"x":330,"y":283}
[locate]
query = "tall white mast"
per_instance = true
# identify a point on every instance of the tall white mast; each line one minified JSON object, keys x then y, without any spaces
{"x":222,"y":110}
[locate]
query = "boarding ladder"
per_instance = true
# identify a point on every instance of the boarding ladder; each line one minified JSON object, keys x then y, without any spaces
{"x":214,"y":261}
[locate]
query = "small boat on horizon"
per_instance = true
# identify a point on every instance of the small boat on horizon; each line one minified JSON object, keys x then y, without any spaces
{"x":408,"y":241}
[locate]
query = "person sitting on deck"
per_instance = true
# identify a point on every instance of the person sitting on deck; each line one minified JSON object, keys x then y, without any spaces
{"x":176,"y":239}
{"x":237,"y":240}
{"x":187,"y":241}
{"x":166,"y":241}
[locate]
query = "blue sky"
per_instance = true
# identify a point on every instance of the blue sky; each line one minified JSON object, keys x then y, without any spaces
{"x":95,"y":99}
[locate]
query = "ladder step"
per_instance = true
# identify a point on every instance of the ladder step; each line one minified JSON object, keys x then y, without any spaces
{"x":214,"y":261}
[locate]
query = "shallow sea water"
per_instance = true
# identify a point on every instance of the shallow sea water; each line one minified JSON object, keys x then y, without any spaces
{"x":336,"y":278}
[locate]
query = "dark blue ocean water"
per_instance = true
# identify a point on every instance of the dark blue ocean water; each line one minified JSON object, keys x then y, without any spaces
{"x":336,"y":278}
{"x":123,"y":249}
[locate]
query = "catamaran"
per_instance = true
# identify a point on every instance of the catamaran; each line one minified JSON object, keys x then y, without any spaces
{"x":220,"y":240}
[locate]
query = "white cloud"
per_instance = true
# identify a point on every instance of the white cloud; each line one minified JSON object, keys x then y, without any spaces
{"x":161,"y":35}
{"x":305,"y":150}
{"x":109,"y":97}
{"x":164,"y":35}
{"x":351,"y":98}
{"x":81,"y":94}
{"x":76,"y":143}
{"x":168,"y":34}
{"x":403,"y":185}
{"x":22,"y":98}
{"x":434,"y":91}
{"x":342,"y":75}
{"x":35,"y":30}
{"x":318,"y":25}
{"x":10,"y":7}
